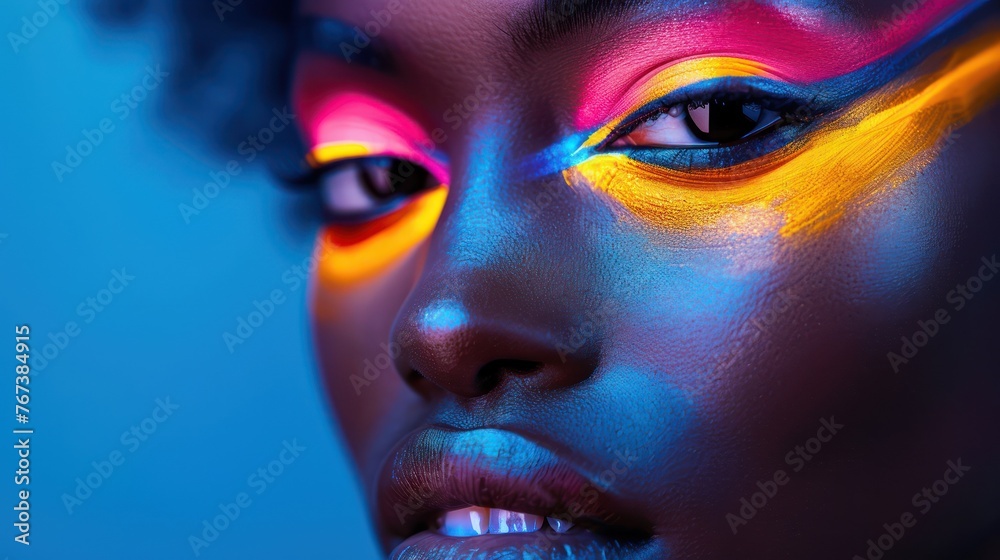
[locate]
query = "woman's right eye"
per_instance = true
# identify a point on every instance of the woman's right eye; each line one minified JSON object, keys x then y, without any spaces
{"x":366,"y":188}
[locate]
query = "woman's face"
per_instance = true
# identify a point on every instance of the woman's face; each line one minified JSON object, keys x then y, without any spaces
{"x":654,"y":269}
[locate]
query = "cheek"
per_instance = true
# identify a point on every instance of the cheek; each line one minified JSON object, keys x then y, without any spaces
{"x":758,"y":325}
{"x":351,"y":324}
{"x":893,"y":248}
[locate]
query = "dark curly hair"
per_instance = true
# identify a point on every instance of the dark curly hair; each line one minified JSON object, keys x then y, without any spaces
{"x":229,"y":65}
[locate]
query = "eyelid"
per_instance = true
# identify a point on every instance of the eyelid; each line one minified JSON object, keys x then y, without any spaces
{"x":333,"y":152}
{"x":330,"y":153}
{"x":350,"y":121}
{"x":667,"y":82}
{"x":775,"y":96}
{"x":768,"y":119}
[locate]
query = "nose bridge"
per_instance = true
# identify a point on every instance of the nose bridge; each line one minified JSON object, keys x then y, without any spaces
{"x":493,"y":236}
{"x":485,"y":219}
{"x":490,"y":297}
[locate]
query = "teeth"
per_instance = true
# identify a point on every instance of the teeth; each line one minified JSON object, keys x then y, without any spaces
{"x":558,"y":525}
{"x":474,"y":521}
{"x":467,"y":522}
{"x":503,"y":521}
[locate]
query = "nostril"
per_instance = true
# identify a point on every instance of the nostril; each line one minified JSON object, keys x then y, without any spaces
{"x":422,"y":385}
{"x":484,"y":381}
{"x":516,"y":367}
{"x":490,"y":375}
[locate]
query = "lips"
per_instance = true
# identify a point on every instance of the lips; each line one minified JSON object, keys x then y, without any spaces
{"x":436,"y":475}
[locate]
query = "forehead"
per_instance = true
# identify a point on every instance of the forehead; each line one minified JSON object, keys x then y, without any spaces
{"x":465,"y":19}
{"x":558,"y":49}
{"x":448,"y":38}
{"x":438,"y":8}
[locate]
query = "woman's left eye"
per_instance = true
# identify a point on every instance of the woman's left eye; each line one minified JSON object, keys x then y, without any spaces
{"x":699,"y":124}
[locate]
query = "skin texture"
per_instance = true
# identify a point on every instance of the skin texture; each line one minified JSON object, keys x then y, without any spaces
{"x":706,"y":350}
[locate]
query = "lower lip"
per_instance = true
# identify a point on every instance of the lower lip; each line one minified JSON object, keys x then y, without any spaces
{"x":577,"y":544}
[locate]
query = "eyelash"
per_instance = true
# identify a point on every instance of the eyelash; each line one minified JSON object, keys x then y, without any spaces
{"x":718,"y":157}
{"x":296,"y":174}
{"x":797,"y":109}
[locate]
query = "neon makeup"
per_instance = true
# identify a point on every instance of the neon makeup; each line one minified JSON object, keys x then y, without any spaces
{"x":874,"y":145}
{"x":355,"y":112}
{"x":350,"y":113}
{"x":353,"y":124}
{"x":795,"y":43}
{"x":673,"y":78}
{"x":357,"y":252}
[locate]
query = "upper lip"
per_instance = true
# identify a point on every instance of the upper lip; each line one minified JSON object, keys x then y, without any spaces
{"x":438,"y":469}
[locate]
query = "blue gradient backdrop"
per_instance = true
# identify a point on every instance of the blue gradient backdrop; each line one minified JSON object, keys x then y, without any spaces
{"x":162,"y":335}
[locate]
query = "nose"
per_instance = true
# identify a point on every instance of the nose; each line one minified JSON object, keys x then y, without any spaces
{"x":497,"y":299}
{"x":469,"y":338}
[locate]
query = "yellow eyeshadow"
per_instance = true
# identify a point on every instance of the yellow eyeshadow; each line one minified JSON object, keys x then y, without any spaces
{"x":671,"y":79}
{"x":875,"y":145}
{"x":348,"y":258}
{"x":326,"y":153}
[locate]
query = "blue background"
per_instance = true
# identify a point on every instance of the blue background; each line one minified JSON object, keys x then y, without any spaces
{"x":162,"y":335}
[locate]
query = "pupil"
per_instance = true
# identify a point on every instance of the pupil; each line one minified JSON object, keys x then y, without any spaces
{"x":722,"y":121}
{"x":387,"y":178}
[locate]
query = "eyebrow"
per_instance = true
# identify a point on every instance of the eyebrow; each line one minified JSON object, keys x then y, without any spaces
{"x":548,"y":21}
{"x":340,"y":40}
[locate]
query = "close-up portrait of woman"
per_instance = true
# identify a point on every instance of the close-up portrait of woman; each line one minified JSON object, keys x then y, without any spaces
{"x":526,"y":279}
